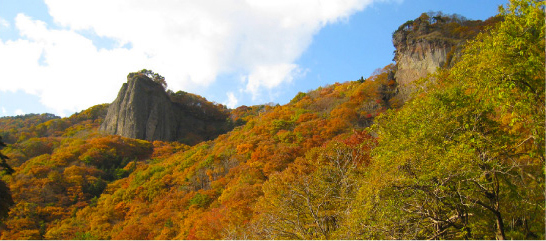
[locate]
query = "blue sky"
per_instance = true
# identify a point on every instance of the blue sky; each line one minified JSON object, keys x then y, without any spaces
{"x":63,"y":56}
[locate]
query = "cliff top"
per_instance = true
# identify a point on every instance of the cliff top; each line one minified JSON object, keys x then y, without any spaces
{"x":439,"y":28}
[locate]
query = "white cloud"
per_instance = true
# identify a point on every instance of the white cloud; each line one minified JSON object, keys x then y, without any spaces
{"x":231,"y":101}
{"x":74,"y":75}
{"x":269,"y":77}
{"x":188,"y":42}
{"x":4,"y":111}
{"x":4,"y":23}
{"x":19,"y":112}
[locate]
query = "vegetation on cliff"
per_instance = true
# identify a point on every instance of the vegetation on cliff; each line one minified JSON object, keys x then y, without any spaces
{"x":440,"y":28}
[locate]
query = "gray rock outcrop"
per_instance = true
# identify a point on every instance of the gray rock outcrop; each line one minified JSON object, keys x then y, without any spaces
{"x":429,"y":42}
{"x":143,"y":110}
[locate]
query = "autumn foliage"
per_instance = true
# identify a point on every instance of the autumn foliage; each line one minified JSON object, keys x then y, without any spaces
{"x":345,"y":161}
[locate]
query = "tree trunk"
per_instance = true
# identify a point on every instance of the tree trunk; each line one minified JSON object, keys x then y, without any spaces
{"x":500,"y":227}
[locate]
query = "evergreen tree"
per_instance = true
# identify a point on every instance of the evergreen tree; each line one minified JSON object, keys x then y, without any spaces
{"x":5,"y":195}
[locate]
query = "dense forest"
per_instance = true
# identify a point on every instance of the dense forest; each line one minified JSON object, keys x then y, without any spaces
{"x":463,"y":158}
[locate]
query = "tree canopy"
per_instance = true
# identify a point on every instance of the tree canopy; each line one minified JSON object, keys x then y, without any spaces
{"x":155,"y":77}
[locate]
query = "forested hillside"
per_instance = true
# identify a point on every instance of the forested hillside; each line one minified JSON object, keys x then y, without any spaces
{"x":462,"y":158}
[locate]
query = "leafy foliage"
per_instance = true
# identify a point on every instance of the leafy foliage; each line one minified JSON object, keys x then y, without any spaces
{"x":440,"y":26}
{"x":154,"y":76}
{"x":456,"y":162}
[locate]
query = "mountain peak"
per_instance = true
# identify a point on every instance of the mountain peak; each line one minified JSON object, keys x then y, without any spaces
{"x":144,"y":110}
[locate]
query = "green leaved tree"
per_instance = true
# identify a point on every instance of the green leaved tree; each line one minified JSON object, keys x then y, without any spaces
{"x":155,"y":77}
{"x":465,"y":158}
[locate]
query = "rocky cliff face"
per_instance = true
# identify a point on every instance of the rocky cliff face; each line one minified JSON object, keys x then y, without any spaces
{"x":416,"y":60}
{"x":143,"y":110}
{"x":430,"y":42}
{"x":420,"y":59}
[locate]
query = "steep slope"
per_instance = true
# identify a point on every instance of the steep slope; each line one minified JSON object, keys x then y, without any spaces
{"x":210,"y":190}
{"x":73,"y":182}
{"x":431,"y":41}
{"x":465,"y":158}
{"x":143,"y":110}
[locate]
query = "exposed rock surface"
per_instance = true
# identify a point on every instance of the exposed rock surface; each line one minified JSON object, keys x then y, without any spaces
{"x":423,"y":58}
{"x":430,"y":42}
{"x":143,"y":110}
